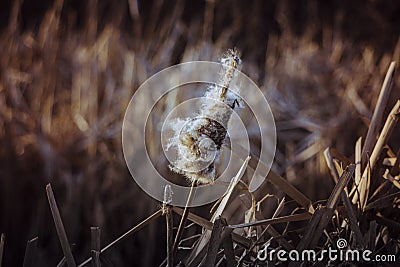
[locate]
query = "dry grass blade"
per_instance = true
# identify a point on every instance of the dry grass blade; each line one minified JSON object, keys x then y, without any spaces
{"x":127,"y":234}
{"x":323,"y":215}
{"x":383,"y":202}
{"x":387,"y":222}
{"x":69,"y":68}
{"x":378,"y":113}
{"x":182,"y":223}
{"x":386,"y":133}
{"x":277,"y":180}
{"x":353,"y":220}
{"x":30,"y":252}
{"x":345,"y":198}
{"x":95,"y":233}
{"x":396,"y":166}
{"x":204,"y":239}
{"x":290,"y":190}
{"x":62,"y":262}
{"x":372,"y":235}
{"x":206,"y":224}
{"x":2,"y":240}
{"x":357,"y":161}
{"x":95,"y":258}
{"x":342,"y":183}
{"x":382,"y":140}
{"x":331,"y":165}
{"x":332,"y":203}
{"x":284,"y":219}
{"x":218,"y":212}
{"x":60,"y":227}
{"x":389,"y":177}
{"x":214,"y":243}
{"x":269,"y":229}
{"x":312,"y":226}
{"x":227,"y":244}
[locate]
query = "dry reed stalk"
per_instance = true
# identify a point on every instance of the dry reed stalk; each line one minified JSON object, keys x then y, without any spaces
{"x":323,"y":215}
{"x":268,"y":229}
{"x":182,"y":222}
{"x":170,"y":238}
{"x":62,"y":262}
{"x":60,"y":227}
{"x":383,"y":202}
{"x":138,"y":227}
{"x":2,"y":241}
{"x":277,"y":180}
{"x":30,"y":252}
{"x":32,"y":115}
{"x":204,"y":239}
{"x":284,"y":219}
{"x":167,"y":212}
{"x":95,"y":233}
{"x":229,"y":251}
{"x":389,"y":177}
{"x":378,"y":113}
{"x":357,"y":161}
{"x":214,"y":243}
{"x":206,"y":224}
{"x":345,"y":199}
{"x":396,"y":166}
{"x":391,"y":121}
{"x":372,"y":235}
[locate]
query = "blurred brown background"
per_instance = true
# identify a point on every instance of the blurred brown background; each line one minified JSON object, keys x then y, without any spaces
{"x":69,"y":68}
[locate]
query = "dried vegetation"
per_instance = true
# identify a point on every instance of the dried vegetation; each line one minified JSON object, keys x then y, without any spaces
{"x":66,"y":79}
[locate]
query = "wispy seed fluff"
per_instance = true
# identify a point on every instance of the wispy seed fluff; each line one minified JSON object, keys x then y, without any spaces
{"x":198,"y":140}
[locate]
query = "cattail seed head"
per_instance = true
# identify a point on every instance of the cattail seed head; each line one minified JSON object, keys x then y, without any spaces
{"x":198,"y":140}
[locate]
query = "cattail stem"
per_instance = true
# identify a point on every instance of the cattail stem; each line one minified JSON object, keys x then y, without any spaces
{"x":170,"y":233}
{"x":182,"y":223}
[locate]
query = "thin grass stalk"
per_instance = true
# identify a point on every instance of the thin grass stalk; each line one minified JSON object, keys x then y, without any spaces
{"x":267,"y":229}
{"x":182,"y":223}
{"x":127,"y":234}
{"x":62,"y":262}
{"x":241,"y":240}
{"x":284,"y":219}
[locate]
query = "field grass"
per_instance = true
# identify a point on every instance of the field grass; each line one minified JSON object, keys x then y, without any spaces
{"x":68,"y":71}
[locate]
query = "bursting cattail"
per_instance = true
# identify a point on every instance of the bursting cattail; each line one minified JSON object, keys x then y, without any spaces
{"x":199,"y":139}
